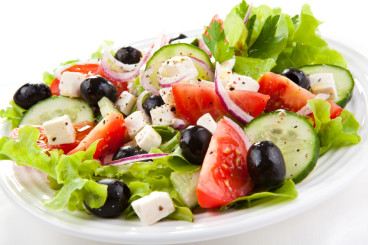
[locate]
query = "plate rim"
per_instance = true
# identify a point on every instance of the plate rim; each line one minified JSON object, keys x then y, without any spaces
{"x":197,"y":235}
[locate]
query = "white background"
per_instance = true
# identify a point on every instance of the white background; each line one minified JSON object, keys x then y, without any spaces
{"x":36,"y":36}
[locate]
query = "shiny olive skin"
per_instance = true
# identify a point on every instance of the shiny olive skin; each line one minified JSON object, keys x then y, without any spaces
{"x":127,"y":151}
{"x":194,"y":142}
{"x":151,"y":102}
{"x":118,"y":195}
{"x":31,"y":93}
{"x":95,"y":88}
{"x":128,"y":55}
{"x":181,"y":36}
{"x":297,"y":76}
{"x":266,"y":164}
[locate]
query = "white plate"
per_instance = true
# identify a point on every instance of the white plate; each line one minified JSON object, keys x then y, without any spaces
{"x":27,"y":187}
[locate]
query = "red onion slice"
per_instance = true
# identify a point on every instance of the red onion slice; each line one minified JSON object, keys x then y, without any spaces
{"x":306,"y":110}
{"x":226,"y":101}
{"x":116,"y":64}
{"x":248,"y":13}
{"x":140,"y":101}
{"x":129,"y":75}
{"x":166,"y":82}
{"x":209,"y":71}
{"x":137,"y":158}
{"x":247,"y":141}
{"x":202,"y":45}
{"x":146,"y":79}
{"x":179,"y":123}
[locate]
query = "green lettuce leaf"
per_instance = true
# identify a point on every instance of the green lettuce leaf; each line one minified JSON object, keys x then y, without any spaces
{"x":98,"y":53}
{"x":307,"y":29}
{"x":12,"y":114}
{"x":75,"y":172}
{"x":235,"y":31}
{"x":336,"y":132}
{"x":48,"y":77}
{"x":253,"y":67}
{"x":285,"y":191}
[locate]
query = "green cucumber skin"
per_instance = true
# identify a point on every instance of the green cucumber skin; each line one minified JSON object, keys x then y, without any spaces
{"x":170,"y":49}
{"x":343,"y":99}
{"x":28,"y":116}
{"x":313,"y":160}
{"x":177,"y":49}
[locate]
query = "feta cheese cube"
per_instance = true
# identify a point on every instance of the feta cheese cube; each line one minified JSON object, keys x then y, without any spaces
{"x":238,"y":82}
{"x":207,"y":122}
{"x":163,"y":115}
{"x":148,"y":138}
{"x":59,"y":130}
{"x":167,"y":96}
{"x":178,"y":65}
{"x":126,"y":102}
{"x":323,"y":83}
{"x":70,"y":83}
{"x":135,"y":122}
{"x":153,"y":207}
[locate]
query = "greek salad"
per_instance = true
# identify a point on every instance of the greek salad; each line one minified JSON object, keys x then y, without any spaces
{"x":232,"y":117}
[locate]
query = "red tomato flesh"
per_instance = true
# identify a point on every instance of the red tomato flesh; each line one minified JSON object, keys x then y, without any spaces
{"x":193,"y":101}
{"x":224,"y":175}
{"x":111,"y":133}
{"x":285,"y":94}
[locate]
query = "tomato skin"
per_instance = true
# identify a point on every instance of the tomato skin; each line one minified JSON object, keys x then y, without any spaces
{"x":111,"y":133}
{"x":54,"y":87}
{"x":193,"y":101}
{"x":285,"y":94}
{"x":224,"y":175}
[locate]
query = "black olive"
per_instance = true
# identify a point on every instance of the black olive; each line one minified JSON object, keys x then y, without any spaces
{"x":128,"y":151}
{"x":95,"y":88}
{"x":128,"y":55}
{"x":266,"y":165}
{"x":181,"y":36}
{"x":151,"y":102}
{"x":297,"y":76}
{"x":31,"y":93}
{"x":194,"y":142}
{"x":118,"y":195}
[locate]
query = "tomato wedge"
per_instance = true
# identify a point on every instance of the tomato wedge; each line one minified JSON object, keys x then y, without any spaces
{"x":285,"y":94}
{"x":89,"y":70}
{"x":111,"y":133}
{"x":224,"y":175}
{"x":193,"y":101}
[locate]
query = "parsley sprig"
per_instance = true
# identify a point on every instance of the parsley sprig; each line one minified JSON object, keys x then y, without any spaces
{"x":216,"y":43}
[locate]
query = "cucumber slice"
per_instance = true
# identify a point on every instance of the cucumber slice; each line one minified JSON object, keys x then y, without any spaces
{"x":106,"y":106}
{"x":185,"y":185}
{"x":57,"y":106}
{"x":343,"y":80}
{"x":294,"y":135}
{"x":181,"y":49}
